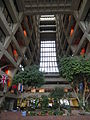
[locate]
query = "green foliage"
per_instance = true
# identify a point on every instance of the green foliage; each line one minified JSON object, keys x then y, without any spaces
{"x":56,"y":104}
{"x":50,"y":112}
{"x":43,"y":112}
{"x":45,"y":101}
{"x":18,"y":78}
{"x":76,"y":70}
{"x":74,"y":67}
{"x":31,"y":76}
{"x":58,"y":112}
{"x":57,"y":93}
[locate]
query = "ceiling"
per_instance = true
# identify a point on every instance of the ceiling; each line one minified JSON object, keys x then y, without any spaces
{"x":47,"y":6}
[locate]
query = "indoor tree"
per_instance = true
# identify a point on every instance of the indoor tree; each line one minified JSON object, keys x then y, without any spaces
{"x":76,"y":69}
{"x":31,"y":76}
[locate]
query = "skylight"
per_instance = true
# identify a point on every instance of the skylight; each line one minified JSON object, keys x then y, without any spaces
{"x":48,"y":61}
{"x":47,"y":17}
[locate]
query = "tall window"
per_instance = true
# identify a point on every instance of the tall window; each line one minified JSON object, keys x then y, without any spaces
{"x":48,"y":62}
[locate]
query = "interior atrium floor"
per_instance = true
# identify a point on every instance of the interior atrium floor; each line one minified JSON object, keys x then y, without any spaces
{"x":17,"y":116}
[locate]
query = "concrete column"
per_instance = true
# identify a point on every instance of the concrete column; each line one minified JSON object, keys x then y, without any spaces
{"x":84,"y":9}
{"x":4,"y":24}
{"x":11,"y":9}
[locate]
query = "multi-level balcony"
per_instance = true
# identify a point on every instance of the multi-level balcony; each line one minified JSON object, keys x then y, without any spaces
{"x":47,"y":6}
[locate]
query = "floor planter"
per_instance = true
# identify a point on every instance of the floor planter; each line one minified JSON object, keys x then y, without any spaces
{"x":23,"y":113}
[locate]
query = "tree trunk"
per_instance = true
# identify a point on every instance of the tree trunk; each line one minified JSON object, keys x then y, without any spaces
{"x":77,"y":98}
{"x":59,"y":105}
{"x":84,"y":92}
{"x":87,"y":97}
{"x":84,"y":98}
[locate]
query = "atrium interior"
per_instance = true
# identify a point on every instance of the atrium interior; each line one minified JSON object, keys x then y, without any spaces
{"x":40,"y":31}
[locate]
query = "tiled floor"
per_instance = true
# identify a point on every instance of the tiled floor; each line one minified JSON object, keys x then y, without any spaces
{"x":17,"y":116}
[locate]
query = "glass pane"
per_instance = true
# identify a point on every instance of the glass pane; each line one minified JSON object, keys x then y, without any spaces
{"x":48,"y":61}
